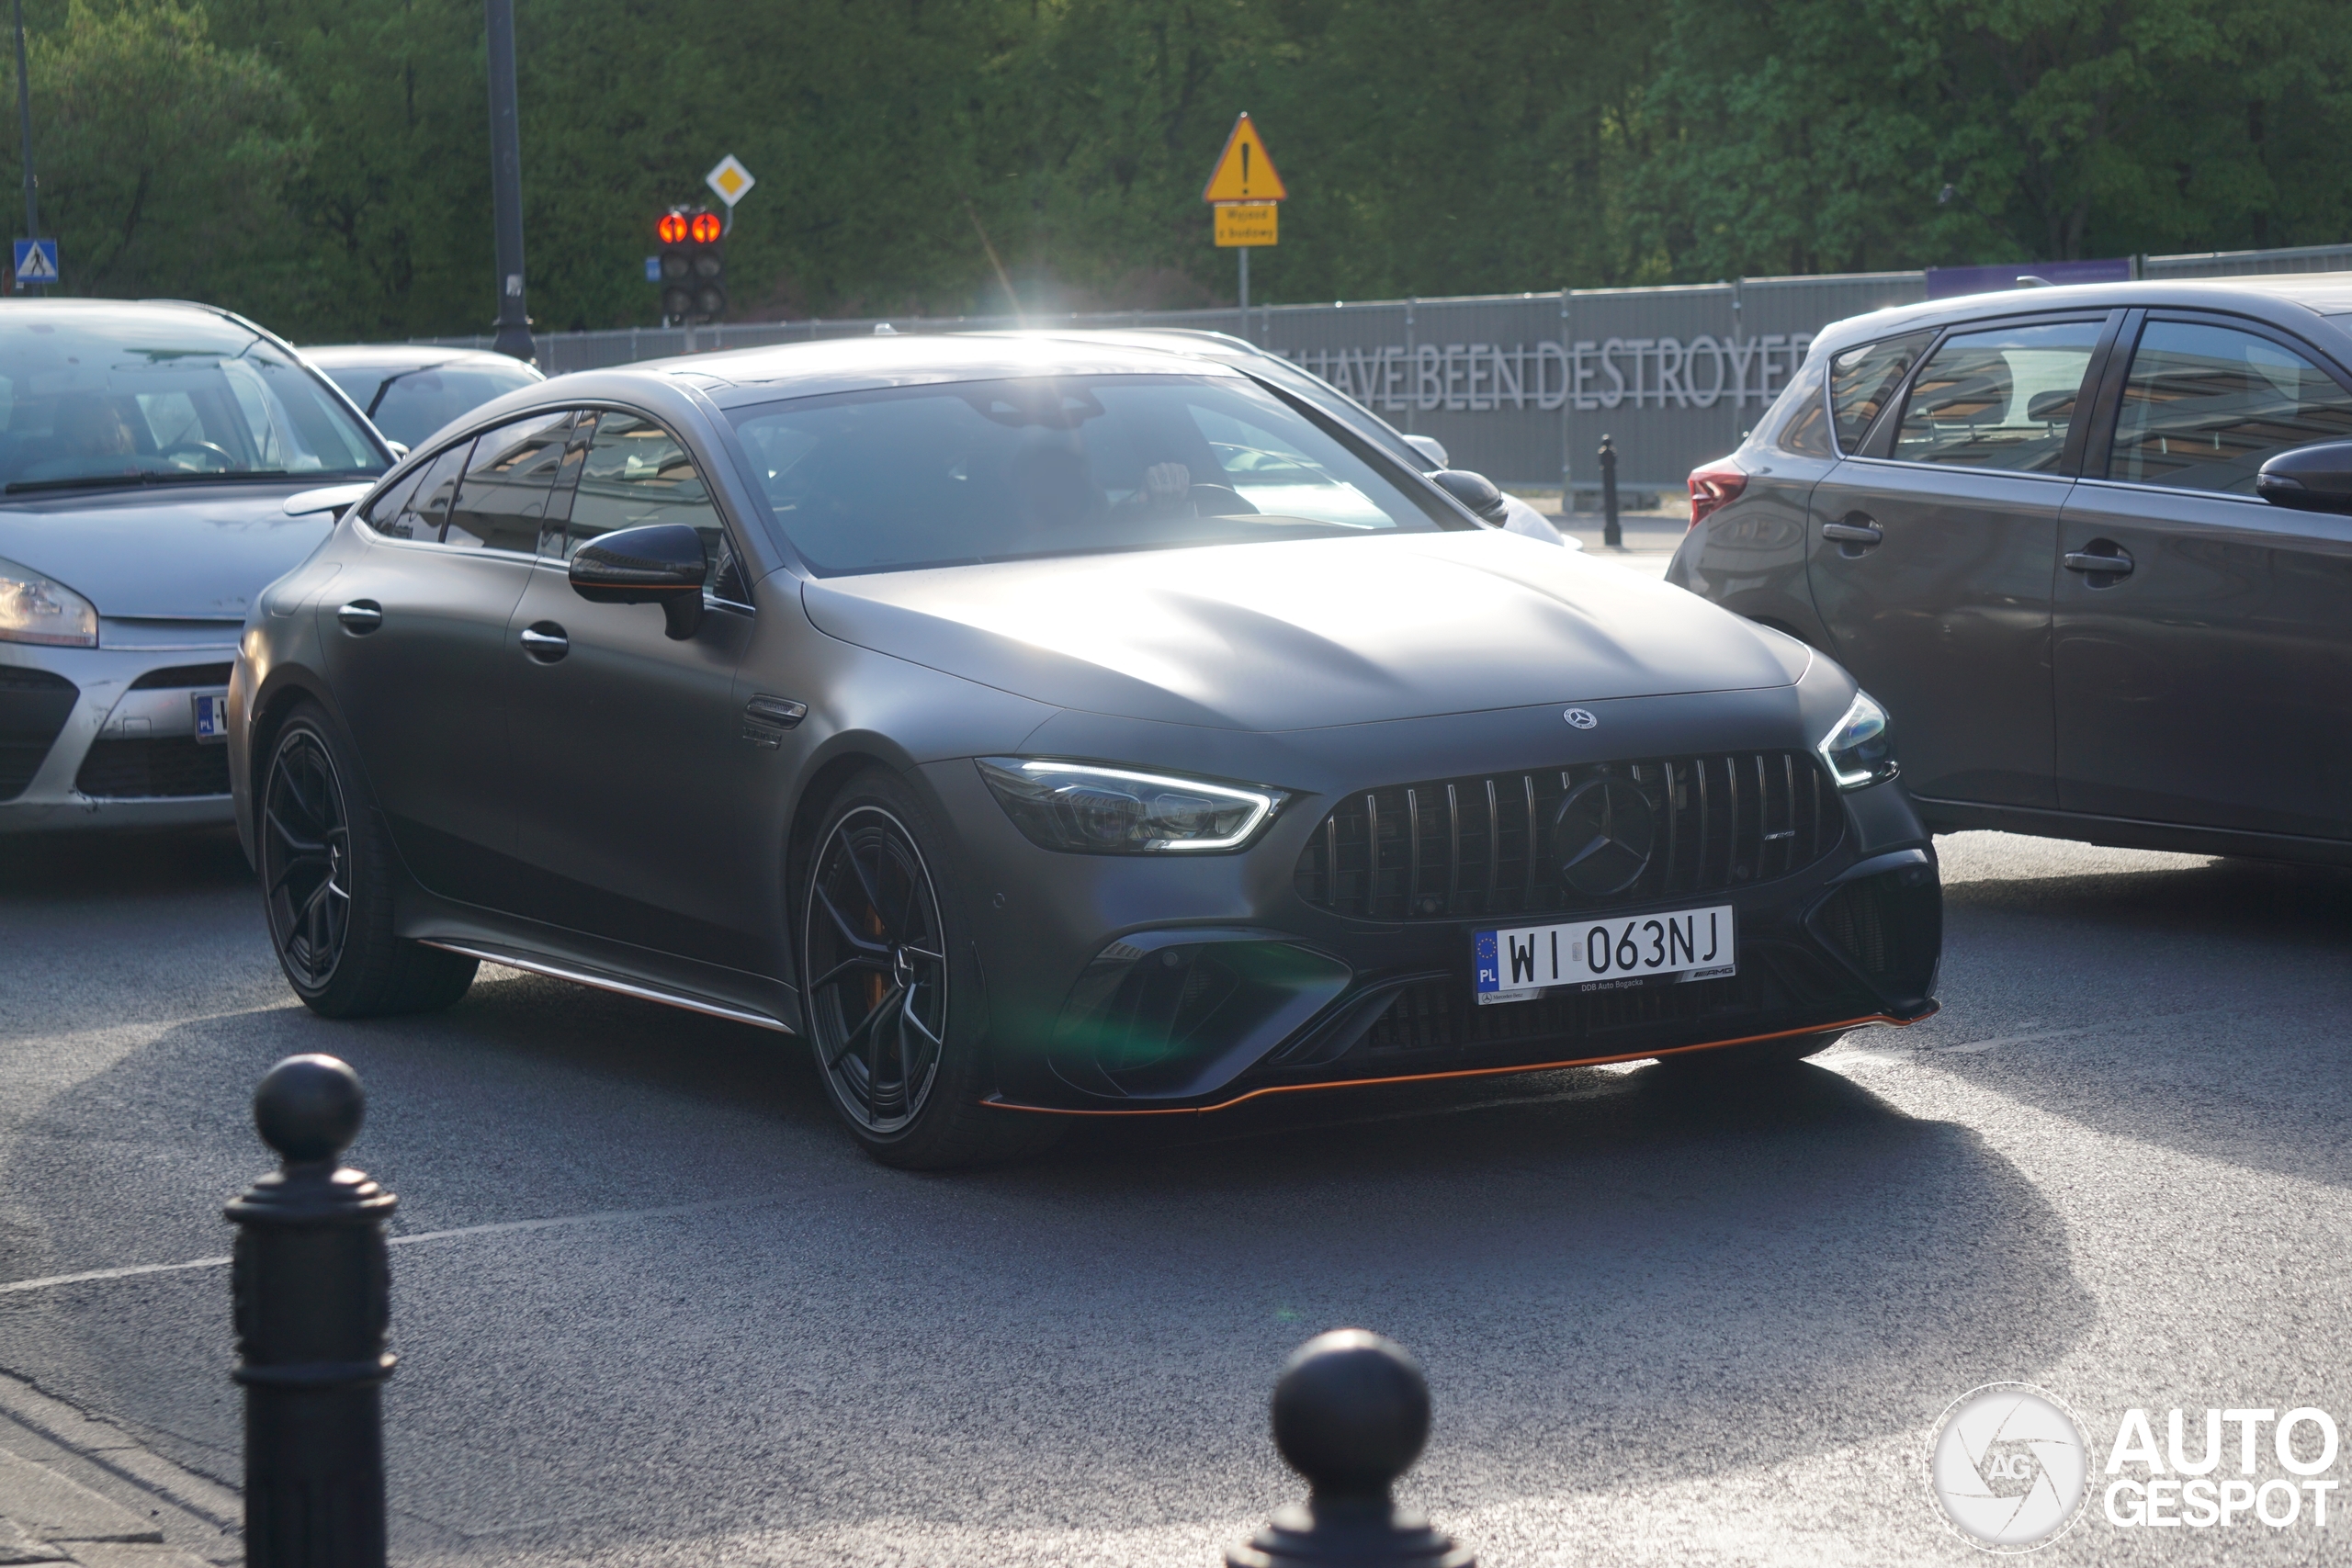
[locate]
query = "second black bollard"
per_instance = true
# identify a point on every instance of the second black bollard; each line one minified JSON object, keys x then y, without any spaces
{"x":1612,"y":534}
{"x":313,"y":1291}
{"x":1351,"y":1413}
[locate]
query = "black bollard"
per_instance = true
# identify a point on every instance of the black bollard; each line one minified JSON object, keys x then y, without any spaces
{"x":1350,"y":1415}
{"x":311,"y":1283}
{"x":1610,"y":533}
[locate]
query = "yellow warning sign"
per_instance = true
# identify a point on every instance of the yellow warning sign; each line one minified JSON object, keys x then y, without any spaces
{"x":1244,"y":172}
{"x":1247,"y":223}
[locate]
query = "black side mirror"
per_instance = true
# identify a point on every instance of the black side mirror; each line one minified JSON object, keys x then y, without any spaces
{"x":2309,"y":478}
{"x":662,"y":563}
{"x":1475,"y":491}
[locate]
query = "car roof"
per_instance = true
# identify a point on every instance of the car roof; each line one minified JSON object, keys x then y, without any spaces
{"x":157,"y":310}
{"x":739,"y":375}
{"x":403,"y":356}
{"x":2293,"y":299}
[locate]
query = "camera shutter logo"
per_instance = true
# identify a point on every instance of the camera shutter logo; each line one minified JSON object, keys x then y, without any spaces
{"x":2006,"y":1466}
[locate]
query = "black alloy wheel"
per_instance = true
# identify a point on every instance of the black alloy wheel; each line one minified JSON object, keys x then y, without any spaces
{"x":878,"y":988}
{"x":326,"y":873}
{"x":306,"y":860}
{"x":890,"y":989}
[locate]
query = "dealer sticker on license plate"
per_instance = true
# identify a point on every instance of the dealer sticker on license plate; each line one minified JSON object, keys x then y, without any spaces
{"x":211,"y":714}
{"x":1516,"y":964}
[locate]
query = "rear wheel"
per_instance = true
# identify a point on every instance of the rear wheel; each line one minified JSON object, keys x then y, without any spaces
{"x":1755,"y":1056}
{"x":326,"y":871}
{"x":890,"y":990}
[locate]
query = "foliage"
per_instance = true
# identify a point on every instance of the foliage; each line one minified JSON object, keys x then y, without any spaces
{"x":1431,"y":146}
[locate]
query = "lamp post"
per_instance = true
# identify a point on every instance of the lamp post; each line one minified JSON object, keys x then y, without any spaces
{"x":507,"y":184}
{"x":24,"y":115}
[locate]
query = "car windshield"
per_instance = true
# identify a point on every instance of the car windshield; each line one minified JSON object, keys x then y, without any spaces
{"x":409,"y":405}
{"x":91,"y":403}
{"x":1003,"y":471}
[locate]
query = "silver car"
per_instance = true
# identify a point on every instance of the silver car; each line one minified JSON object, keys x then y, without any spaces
{"x":411,"y":390}
{"x":160,"y":464}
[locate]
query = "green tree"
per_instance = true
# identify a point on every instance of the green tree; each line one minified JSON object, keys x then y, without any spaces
{"x":163,"y":157}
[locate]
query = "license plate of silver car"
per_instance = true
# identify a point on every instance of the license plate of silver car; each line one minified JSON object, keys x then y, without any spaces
{"x":211,"y":714}
{"x":1518,"y":963}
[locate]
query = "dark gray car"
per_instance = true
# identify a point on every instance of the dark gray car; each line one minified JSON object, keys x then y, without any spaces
{"x":2030,"y":522}
{"x":1043,"y":728}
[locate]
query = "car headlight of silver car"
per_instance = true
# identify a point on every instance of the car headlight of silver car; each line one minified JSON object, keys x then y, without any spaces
{"x":34,"y":608}
{"x":1086,"y":809}
{"x":1860,"y":749}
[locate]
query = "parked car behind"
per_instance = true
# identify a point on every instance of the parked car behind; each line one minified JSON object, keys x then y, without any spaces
{"x":1039,"y":727}
{"x":159,"y":463}
{"x":412,"y":389}
{"x":2032,"y":523}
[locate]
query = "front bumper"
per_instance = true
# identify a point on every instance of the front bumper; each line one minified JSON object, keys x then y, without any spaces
{"x":105,"y":737}
{"x":1146,"y":985}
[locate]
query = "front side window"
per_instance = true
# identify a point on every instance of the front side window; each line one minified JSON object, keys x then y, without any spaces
{"x":1999,"y":400}
{"x":1861,"y":380}
{"x":1005,"y":470}
{"x":2205,"y":407}
{"x":635,"y":474}
{"x":504,"y":495}
{"x":94,"y":403}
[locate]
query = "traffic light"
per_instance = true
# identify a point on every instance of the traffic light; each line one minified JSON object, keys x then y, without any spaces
{"x":693,"y":264}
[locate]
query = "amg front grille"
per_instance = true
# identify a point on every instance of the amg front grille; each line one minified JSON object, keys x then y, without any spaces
{"x":136,"y":770}
{"x":1474,"y":848}
{"x":34,"y":706}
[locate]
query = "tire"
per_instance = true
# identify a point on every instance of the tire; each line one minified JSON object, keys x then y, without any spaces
{"x":327,"y":874}
{"x":890,"y":990}
{"x":1758,"y":1057}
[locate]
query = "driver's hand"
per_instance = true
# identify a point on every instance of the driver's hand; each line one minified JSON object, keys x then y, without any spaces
{"x":1167,"y":482}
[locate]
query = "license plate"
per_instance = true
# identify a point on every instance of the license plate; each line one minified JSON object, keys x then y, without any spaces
{"x":1520,"y":963}
{"x":211,"y":714}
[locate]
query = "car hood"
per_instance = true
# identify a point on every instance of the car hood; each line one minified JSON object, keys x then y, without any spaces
{"x":1304,"y":634}
{"x":153,"y":554}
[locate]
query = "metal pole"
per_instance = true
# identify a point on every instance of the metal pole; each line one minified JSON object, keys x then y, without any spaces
{"x":309,"y":1285}
{"x":507,"y":184}
{"x":1610,"y":533}
{"x":1241,"y":255}
{"x":25,"y":114}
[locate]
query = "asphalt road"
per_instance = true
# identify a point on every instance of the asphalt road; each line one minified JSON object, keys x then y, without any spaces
{"x":1662,"y":1326}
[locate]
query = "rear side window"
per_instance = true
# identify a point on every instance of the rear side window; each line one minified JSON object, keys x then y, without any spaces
{"x":1805,"y":429}
{"x":1862,"y":379}
{"x":2205,"y":407}
{"x":1999,"y":400}
{"x":417,"y":506}
{"x":505,"y":493}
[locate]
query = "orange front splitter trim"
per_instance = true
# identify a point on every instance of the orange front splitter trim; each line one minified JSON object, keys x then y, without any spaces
{"x":1000,"y":1103}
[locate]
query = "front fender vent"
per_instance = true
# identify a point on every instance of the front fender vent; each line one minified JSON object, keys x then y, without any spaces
{"x":1480,"y":847}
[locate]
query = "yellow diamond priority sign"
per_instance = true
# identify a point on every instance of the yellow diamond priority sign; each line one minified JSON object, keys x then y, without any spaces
{"x":731,"y":179}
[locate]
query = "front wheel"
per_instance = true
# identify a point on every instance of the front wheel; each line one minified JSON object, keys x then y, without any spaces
{"x":889,"y":987}
{"x":326,"y":873}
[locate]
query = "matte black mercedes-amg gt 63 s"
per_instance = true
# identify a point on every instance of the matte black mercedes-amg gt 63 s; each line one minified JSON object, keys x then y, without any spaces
{"x":1037,"y":729}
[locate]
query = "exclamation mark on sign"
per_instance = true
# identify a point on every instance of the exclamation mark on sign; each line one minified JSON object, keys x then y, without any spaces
{"x":1245,"y":168}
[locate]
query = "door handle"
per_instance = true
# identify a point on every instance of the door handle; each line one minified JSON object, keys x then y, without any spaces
{"x":546,"y":642}
{"x":360,"y":616}
{"x":1865,"y":532}
{"x":2100,"y":563}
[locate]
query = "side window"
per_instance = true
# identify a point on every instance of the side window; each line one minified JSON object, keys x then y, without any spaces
{"x":1862,"y":379}
{"x":504,"y":492}
{"x":2204,"y":407}
{"x":2001,"y":400}
{"x":383,"y":513}
{"x":416,"y":511}
{"x":1805,"y":432}
{"x":636,"y":473}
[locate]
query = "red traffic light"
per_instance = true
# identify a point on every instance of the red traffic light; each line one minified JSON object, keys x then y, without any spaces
{"x":707,"y":227}
{"x":672,"y":228}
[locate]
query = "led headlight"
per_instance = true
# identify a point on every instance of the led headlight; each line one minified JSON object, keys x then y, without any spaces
{"x":1086,"y":809}
{"x":33,"y":608}
{"x":1859,"y":749}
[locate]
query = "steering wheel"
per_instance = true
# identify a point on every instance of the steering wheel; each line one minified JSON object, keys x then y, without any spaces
{"x":202,"y":449}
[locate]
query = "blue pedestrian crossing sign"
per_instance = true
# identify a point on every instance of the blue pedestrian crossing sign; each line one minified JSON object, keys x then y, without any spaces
{"x":35,"y":261}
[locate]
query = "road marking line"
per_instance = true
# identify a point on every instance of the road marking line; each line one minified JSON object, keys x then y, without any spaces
{"x":1975,"y":1045}
{"x":602,"y":1216}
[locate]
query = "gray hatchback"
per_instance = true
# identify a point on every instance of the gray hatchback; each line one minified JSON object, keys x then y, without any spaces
{"x":2055,"y":533}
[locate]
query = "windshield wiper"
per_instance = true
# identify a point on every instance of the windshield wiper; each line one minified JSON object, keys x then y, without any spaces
{"x":133,"y":481}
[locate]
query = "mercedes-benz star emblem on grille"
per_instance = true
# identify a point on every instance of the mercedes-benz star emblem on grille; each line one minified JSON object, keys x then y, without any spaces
{"x":1578,"y":719}
{"x":1603,"y":833}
